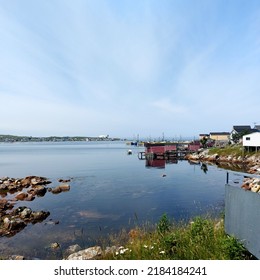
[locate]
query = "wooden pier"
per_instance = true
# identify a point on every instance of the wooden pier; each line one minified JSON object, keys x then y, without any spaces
{"x":167,"y":151}
{"x":168,"y":155}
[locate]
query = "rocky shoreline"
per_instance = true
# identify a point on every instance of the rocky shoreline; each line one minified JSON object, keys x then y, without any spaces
{"x":251,"y":164}
{"x":12,"y":190}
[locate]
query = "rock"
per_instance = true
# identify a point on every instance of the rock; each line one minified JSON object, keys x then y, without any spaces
{"x":39,"y":216}
{"x":246,"y":186}
{"x":26,"y":182}
{"x":3,"y":187}
{"x":61,"y":188}
{"x":111,"y":250}
{"x":16,"y":257}
{"x":4,"y":179}
{"x":64,"y":180}
{"x":72,"y":249}
{"x":56,"y":190}
{"x":7,"y":222}
{"x":87,"y":254}
{"x":255,"y":188}
{"x":64,"y":187}
{"x":16,"y":225}
{"x":34,"y":180}
{"x":39,"y":190}
{"x":55,"y":245}
{"x":5,"y":205}
{"x":25,"y":213}
{"x":12,"y":188}
{"x":21,"y":196}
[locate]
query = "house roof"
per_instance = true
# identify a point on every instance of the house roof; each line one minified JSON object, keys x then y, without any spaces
{"x":242,"y":128}
{"x":219,"y":133}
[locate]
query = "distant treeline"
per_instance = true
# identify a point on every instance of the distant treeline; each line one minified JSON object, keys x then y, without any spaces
{"x":14,"y":138}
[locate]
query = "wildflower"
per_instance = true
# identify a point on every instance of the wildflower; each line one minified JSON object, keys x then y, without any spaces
{"x":162,"y":252}
{"x":122,"y":251}
{"x":145,"y":246}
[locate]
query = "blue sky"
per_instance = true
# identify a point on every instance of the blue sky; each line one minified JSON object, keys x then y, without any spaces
{"x":175,"y":67}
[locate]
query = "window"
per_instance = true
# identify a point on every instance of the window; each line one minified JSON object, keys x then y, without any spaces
{"x":248,"y":138}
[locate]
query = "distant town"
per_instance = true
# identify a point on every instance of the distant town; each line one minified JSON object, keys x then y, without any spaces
{"x":14,"y":138}
{"x":216,"y":138}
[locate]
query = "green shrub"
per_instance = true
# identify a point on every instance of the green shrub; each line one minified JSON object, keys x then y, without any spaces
{"x":163,"y":225}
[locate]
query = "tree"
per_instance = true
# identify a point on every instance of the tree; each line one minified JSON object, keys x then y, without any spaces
{"x":238,"y":135}
{"x":203,"y":141}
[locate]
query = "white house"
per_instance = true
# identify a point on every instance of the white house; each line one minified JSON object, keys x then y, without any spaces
{"x":252,"y":140}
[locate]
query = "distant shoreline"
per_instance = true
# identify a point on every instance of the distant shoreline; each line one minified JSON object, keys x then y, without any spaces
{"x":14,"y":138}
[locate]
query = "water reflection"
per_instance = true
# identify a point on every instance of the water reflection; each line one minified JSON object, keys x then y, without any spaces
{"x":204,"y":167}
{"x":159,"y":163}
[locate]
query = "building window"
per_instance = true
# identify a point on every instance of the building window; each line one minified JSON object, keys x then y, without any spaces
{"x":248,"y":138}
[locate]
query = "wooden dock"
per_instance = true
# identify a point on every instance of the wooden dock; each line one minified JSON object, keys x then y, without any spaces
{"x":168,"y":155}
{"x":167,"y":151}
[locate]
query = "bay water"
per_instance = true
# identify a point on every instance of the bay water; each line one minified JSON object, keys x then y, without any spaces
{"x":110,"y":190}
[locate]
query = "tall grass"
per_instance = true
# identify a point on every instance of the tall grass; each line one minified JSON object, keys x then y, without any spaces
{"x":202,"y":238}
{"x":232,"y":150}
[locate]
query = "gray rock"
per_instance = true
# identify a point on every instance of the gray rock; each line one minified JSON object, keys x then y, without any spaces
{"x":55,"y":245}
{"x":87,"y":254}
{"x":25,"y":213}
{"x":16,"y":257}
{"x":72,"y":249}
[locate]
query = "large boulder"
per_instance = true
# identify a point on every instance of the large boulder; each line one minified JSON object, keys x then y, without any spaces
{"x":86,"y":254}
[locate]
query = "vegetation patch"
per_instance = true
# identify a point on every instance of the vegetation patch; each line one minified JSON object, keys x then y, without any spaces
{"x":231,"y":150}
{"x":200,"y":239}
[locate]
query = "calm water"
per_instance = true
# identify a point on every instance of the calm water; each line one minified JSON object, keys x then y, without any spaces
{"x":110,"y":190}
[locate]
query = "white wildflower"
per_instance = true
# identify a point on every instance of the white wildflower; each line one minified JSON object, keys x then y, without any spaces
{"x":122,"y":251}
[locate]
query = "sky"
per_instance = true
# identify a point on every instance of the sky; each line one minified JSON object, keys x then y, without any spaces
{"x":128,"y":68}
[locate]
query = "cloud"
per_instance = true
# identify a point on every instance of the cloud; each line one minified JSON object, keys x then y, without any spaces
{"x":166,"y":106}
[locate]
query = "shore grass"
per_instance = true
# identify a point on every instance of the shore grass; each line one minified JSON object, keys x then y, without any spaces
{"x":232,"y":150}
{"x":200,"y":239}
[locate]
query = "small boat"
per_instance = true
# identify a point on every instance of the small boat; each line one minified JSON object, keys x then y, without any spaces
{"x":129,"y":152}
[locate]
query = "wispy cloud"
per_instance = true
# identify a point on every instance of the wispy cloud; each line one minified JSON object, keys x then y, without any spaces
{"x":166,"y":106}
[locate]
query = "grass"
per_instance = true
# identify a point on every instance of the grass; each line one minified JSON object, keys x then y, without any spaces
{"x":201,"y":239}
{"x":231,"y":150}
